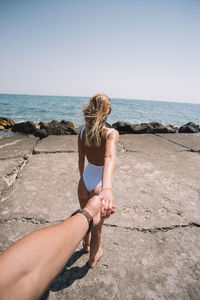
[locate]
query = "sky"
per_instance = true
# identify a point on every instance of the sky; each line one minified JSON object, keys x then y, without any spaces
{"x":135,"y":49}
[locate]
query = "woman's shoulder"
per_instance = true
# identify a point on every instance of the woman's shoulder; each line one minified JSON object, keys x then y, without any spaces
{"x":81,"y":132}
{"x":112,"y":133}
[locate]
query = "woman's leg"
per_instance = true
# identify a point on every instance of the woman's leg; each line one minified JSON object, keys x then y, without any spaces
{"x":95,"y":250}
{"x":83,"y":196}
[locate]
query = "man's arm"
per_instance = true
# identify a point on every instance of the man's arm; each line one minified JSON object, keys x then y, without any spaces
{"x":29,"y":266}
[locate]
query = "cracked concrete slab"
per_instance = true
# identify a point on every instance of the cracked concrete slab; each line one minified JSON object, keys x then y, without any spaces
{"x":8,"y":171}
{"x":13,"y":230}
{"x":147,"y":143}
{"x":56,"y":143}
{"x":135,"y":265}
{"x":151,"y":244}
{"x":190,"y":141}
{"x":147,"y":193}
{"x":152,"y":189}
{"x":17,"y":145}
{"x":47,"y":188}
{"x":4,"y":139}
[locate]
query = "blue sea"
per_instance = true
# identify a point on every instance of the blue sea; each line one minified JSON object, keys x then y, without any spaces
{"x":47,"y":108}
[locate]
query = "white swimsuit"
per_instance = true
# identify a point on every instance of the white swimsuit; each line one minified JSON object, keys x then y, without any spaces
{"x":93,"y":174}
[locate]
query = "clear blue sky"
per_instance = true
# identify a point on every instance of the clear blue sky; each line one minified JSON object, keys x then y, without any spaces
{"x":143,"y":49}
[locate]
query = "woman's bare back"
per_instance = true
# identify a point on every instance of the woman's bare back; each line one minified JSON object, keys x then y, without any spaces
{"x":95,"y":155}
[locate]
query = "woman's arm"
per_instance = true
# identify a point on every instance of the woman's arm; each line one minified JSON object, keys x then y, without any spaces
{"x":109,"y":167}
{"x":81,"y":156}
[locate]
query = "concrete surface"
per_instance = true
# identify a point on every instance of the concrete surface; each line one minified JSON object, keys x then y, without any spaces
{"x":57,"y":144}
{"x":17,"y":145}
{"x":151,"y":244}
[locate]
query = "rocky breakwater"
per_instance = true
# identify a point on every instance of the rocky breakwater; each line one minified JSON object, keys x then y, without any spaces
{"x":55,"y":128}
{"x":44,"y":129}
{"x":153,"y":127}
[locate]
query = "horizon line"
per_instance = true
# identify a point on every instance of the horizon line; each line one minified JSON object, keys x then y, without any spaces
{"x":137,"y":99}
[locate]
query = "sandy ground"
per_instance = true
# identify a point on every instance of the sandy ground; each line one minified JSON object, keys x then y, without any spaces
{"x":151,"y":244}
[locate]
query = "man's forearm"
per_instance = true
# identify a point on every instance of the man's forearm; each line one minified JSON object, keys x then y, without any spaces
{"x":39,"y":257}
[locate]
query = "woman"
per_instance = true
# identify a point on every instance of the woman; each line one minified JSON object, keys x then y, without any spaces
{"x":98,"y":144}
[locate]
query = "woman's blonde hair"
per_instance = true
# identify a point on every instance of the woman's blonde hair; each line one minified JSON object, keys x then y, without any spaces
{"x":95,"y":115}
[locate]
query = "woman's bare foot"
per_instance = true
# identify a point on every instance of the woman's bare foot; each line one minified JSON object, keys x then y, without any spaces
{"x":92,"y":261}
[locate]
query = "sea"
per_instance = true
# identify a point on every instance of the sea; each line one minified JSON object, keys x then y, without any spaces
{"x":38,"y":108}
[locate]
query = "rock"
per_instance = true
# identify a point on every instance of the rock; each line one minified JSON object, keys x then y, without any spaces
{"x":44,"y":125}
{"x":6,"y":123}
{"x":156,"y":127}
{"x":69,"y":124}
{"x":41,"y":133}
{"x":123,"y":127}
{"x":139,"y":128}
{"x":172,"y":127}
{"x":24,"y":127}
{"x":57,"y":128}
{"x":189,"y":128}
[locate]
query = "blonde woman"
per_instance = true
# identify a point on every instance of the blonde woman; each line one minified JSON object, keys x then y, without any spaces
{"x":98,"y":144}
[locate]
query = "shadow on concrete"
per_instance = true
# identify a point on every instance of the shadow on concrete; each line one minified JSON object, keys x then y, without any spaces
{"x":68,"y":275}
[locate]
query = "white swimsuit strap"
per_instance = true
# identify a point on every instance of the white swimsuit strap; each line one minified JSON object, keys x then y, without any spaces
{"x":81,"y":133}
{"x":109,"y":131}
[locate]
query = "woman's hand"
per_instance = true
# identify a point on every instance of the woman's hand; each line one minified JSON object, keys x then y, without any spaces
{"x":107,"y":207}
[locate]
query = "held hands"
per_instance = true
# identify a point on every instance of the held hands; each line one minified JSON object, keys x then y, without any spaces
{"x":101,"y":206}
{"x":107,"y":207}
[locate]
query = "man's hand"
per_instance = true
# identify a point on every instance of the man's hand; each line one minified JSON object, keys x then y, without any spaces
{"x":95,"y":206}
